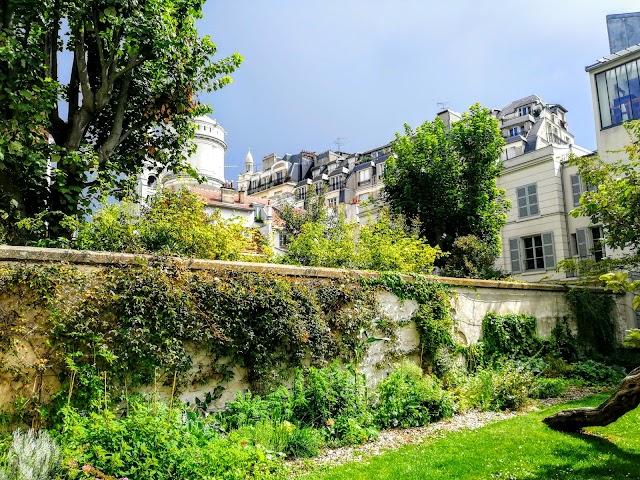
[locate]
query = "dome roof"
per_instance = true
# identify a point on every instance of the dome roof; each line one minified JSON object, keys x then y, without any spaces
{"x":206,"y":119}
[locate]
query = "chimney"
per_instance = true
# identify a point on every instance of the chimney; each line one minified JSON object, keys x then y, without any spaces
{"x":242,"y":196}
{"x":228,"y":194}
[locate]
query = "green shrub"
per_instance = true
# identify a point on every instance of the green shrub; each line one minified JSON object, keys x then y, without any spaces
{"x":325,"y":394}
{"x":304,"y":442}
{"x":548,"y":388}
{"x":505,"y":387}
{"x":155,"y":442}
{"x":407,"y":398}
{"x":596,"y":373}
{"x":510,"y":335}
{"x":272,"y":436}
{"x":250,"y":409}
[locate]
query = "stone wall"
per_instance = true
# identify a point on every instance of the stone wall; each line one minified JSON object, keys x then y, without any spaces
{"x":472,"y":300}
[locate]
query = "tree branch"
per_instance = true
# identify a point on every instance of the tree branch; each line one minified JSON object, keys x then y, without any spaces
{"x":116,"y":130}
{"x":130,"y":66}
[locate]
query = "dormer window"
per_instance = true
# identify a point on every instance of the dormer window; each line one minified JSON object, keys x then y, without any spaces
{"x":524,"y":111}
{"x":514,"y":131}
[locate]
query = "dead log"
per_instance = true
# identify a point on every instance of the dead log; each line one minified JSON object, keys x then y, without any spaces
{"x":623,"y":400}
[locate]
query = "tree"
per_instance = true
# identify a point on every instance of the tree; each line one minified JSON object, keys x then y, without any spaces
{"x":130,"y":95}
{"x":174,"y":223}
{"x":446,"y":178}
{"x":615,"y":204}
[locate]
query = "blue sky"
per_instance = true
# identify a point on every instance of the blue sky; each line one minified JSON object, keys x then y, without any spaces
{"x":315,"y":71}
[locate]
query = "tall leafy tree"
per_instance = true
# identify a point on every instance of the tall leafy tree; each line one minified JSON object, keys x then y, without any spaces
{"x":446,"y":179}
{"x":137,"y":67}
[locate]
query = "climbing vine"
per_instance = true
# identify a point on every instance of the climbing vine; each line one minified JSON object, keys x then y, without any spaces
{"x":595,"y":317}
{"x":133,"y":325}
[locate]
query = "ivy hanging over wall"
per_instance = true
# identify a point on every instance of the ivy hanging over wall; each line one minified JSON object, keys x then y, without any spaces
{"x":595,"y":317}
{"x":134,"y":325}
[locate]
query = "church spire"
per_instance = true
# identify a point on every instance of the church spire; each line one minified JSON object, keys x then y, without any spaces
{"x":248,"y":162}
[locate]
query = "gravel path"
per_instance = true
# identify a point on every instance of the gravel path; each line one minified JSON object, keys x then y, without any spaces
{"x":396,"y":438}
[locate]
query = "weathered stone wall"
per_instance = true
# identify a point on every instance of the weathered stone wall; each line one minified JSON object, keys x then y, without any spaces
{"x":472,"y":300}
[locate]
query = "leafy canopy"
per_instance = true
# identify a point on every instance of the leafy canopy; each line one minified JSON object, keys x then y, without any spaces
{"x":174,"y":223}
{"x":446,"y":179}
{"x":130,"y":96}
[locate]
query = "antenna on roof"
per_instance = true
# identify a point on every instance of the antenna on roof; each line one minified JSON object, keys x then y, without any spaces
{"x":339,"y":142}
{"x":442,"y":105}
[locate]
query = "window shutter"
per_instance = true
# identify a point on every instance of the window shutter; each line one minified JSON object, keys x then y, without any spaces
{"x":581,"y":240}
{"x":514,"y":248}
{"x":548,"y":250}
{"x":533,"y":199}
{"x":576,"y":189}
{"x":523,"y":211}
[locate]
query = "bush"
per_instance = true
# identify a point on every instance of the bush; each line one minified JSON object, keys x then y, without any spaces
{"x":155,"y":442}
{"x":304,"y":442}
{"x":595,"y":373}
{"x":249,"y":409}
{"x":32,"y":456}
{"x":548,"y":388}
{"x":471,"y":257}
{"x":407,"y":398}
{"x":505,"y":387}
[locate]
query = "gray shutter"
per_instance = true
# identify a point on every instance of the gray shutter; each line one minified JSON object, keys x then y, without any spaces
{"x":533,"y":199}
{"x":514,"y":248}
{"x":576,"y":189}
{"x":581,"y":241}
{"x":523,"y":211}
{"x":548,"y":250}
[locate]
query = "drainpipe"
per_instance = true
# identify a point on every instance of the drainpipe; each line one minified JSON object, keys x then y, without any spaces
{"x":564,"y":206}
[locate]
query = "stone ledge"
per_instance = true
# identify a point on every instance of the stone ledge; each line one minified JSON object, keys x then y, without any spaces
{"x":9,"y":254}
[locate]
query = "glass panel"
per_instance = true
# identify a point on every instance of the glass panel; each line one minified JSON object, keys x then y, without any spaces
{"x":634,"y":89}
{"x":533,"y":209}
{"x":623,"y":100}
{"x":616,"y":111}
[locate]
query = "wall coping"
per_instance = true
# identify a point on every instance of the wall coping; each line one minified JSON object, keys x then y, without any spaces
{"x":30,"y":255}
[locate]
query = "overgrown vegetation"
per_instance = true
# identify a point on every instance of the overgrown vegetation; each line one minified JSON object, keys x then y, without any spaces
{"x":106,"y":333}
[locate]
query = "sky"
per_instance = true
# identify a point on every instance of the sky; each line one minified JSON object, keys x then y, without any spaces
{"x":355,"y":71}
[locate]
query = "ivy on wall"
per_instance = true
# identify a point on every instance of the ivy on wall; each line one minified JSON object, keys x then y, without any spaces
{"x":134,"y":325}
{"x":595,"y":316}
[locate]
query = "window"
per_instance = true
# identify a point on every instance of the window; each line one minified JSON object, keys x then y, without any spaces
{"x":302,"y":193}
{"x":535,"y":252}
{"x":578,"y":187}
{"x":333,"y":202}
{"x":513,"y":131}
{"x":524,"y":111}
{"x":380,"y":170}
{"x":336,"y":183}
{"x":364,"y":176}
{"x":527,"y":201}
{"x":619,"y":94}
{"x":590,"y":243}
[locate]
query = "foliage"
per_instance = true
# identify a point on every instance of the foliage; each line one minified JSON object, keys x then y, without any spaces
{"x":305,"y":442}
{"x":496,"y":388}
{"x":335,"y":400}
{"x":593,"y":372}
{"x":154,"y":441}
{"x":174,"y":223}
{"x":407,"y":398}
{"x":131,"y":95}
{"x":248,"y":409}
{"x":632,"y":340}
{"x":511,"y":335}
{"x":390,"y":244}
{"x":471,"y":258}
{"x":446,"y":178}
{"x":595,"y":316}
{"x":616,"y":201}
{"x":32,"y":456}
{"x":137,"y":324}
{"x":548,"y":388}
{"x":328,"y":243}
{"x":384,"y":244}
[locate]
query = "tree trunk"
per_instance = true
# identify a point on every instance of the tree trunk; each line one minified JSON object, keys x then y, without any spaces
{"x":623,"y":400}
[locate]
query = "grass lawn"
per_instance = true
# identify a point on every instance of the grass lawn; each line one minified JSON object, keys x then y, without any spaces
{"x":518,"y":448}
